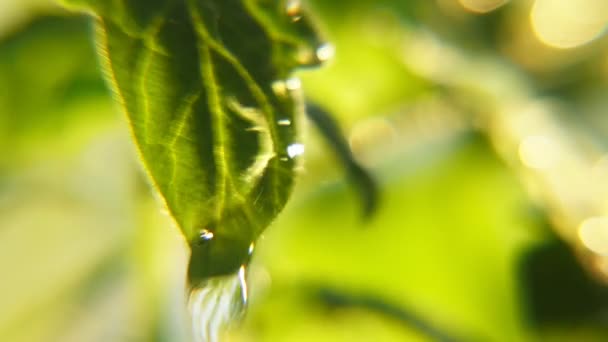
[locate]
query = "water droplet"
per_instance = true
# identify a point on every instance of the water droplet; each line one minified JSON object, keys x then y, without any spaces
{"x":293,"y":84}
{"x":294,"y":10}
{"x":295,"y":150}
{"x":283,"y":122}
{"x":206,"y":234}
{"x":306,"y":56}
{"x":243,"y":283}
{"x":217,"y":303}
{"x":282,"y":88}
{"x":325,"y":52}
{"x":279,"y":88}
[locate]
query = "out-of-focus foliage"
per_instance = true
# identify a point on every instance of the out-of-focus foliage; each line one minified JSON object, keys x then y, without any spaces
{"x":486,"y":131}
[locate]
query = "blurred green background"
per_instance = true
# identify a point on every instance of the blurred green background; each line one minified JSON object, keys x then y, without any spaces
{"x":484,"y":121}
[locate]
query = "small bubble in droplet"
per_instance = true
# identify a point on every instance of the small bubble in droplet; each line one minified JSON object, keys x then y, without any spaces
{"x":294,"y":9}
{"x":284,"y":159}
{"x":295,"y":150}
{"x":283,"y":122}
{"x":293,"y":83}
{"x":206,"y":235}
{"x":325,"y":52}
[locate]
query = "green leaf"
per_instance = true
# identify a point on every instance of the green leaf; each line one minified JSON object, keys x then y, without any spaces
{"x":214,"y":113}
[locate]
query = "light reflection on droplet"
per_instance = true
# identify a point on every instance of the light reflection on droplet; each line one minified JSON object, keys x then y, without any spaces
{"x":251,"y":248}
{"x":243,"y":281}
{"x":593,"y":233}
{"x":325,"y":52}
{"x":206,"y":235}
{"x":293,"y":84}
{"x":295,"y":150}
{"x":538,"y":152}
{"x":294,"y":9}
{"x":567,"y":23}
{"x":482,"y":6}
{"x":283,"y":122}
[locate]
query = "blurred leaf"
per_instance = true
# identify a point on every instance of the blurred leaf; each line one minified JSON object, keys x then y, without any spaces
{"x":365,"y":184}
{"x":42,"y":97}
{"x":70,"y":200}
{"x":557,"y":288}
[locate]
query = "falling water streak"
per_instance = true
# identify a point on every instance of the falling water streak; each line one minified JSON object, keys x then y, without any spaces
{"x":243,"y":283}
{"x":216,"y":303}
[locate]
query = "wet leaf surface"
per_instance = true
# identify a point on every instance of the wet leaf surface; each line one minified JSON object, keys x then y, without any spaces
{"x":214,"y":111}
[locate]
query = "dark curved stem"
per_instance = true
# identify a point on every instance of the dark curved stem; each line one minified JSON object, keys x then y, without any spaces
{"x":363,"y":181}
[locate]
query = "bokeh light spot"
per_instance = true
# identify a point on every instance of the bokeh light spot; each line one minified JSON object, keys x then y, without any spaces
{"x":482,"y":6}
{"x":593,"y":233}
{"x":538,"y":152}
{"x":568,"y":24}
